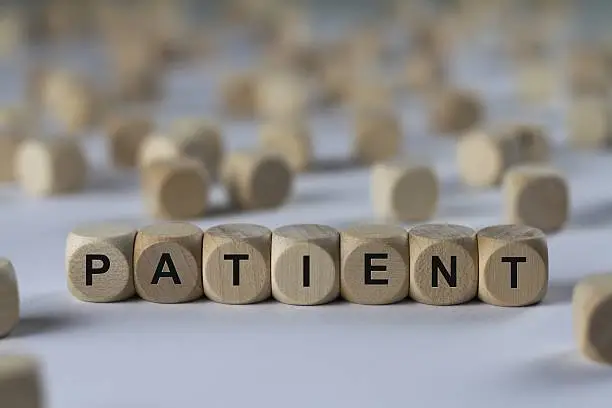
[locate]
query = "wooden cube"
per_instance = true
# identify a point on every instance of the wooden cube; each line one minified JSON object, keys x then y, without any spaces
{"x":424,"y":72}
{"x":168,"y":263}
{"x":305,"y":264}
{"x":404,"y":191}
{"x":176,"y":188}
{"x":125,"y":137}
{"x":12,"y":133}
{"x":443,"y":264}
{"x":238,"y":95}
{"x":21,"y":382}
{"x":590,"y":122}
{"x":455,"y":110}
{"x":290,"y":139}
{"x":378,"y":136}
{"x":282,"y":95}
{"x":257,"y":180}
{"x":513,"y":265}
{"x":591,"y":308}
{"x":536,"y":195}
{"x":374,"y":264}
{"x":99,"y":262}
{"x":236,"y":263}
{"x":371,"y":94}
{"x":50,"y":166}
{"x":537,"y":81}
{"x":589,"y":71}
{"x":9,"y":298}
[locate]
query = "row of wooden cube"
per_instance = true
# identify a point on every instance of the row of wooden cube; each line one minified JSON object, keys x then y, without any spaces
{"x":308,"y":264}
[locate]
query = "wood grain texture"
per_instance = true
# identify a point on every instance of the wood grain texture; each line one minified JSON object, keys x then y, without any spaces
{"x":443,"y":264}
{"x":236,"y":263}
{"x":108,"y":250}
{"x":9,"y":298}
{"x":168,"y":263}
{"x":499,"y":248}
{"x":21,"y":382}
{"x":305,"y":264}
{"x":289,"y":138}
{"x":374,"y":267}
{"x":591,"y":309}
{"x":378,"y":136}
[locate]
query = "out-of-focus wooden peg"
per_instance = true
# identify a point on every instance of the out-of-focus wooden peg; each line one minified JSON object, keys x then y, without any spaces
{"x":290,"y":138}
{"x":9,"y":298}
{"x":21,"y":381}
{"x":125,"y":137}
{"x":378,"y":136}
{"x":455,"y":110}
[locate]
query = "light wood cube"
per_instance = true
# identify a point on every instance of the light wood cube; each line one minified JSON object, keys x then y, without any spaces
{"x":374,"y":266}
{"x":257,"y":180}
{"x":455,"y":110}
{"x":282,"y":95}
{"x":378,"y":136}
{"x":176,"y":188}
{"x":50,"y":166}
{"x":305,"y":264}
{"x":591,"y":308}
{"x":236,"y":263}
{"x":513,"y":265}
{"x":238,"y":95}
{"x":21,"y":382}
{"x":536,"y":195}
{"x":424,"y":72}
{"x":590,"y":122}
{"x":9,"y":298}
{"x":99,"y":262}
{"x":12,"y":133}
{"x":589,"y":71}
{"x":371,"y":94}
{"x":168,"y":263}
{"x":125,"y":137}
{"x":443,"y":264}
{"x":290,"y":139}
{"x":537,"y":81}
{"x":404,"y":191}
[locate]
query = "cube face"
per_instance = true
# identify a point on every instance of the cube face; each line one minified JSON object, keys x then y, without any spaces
{"x":9,"y":298}
{"x":20,"y":382}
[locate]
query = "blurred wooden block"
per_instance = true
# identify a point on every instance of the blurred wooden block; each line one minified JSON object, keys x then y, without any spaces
{"x":443,"y":264}
{"x":536,"y":195}
{"x":589,"y":71}
{"x":590,"y":122}
{"x":513,"y":265}
{"x":238,"y":95}
{"x":236,"y":262}
{"x":374,"y":266}
{"x":455,"y":110}
{"x":282,"y":95}
{"x":378,"y":136}
{"x":591,"y":308}
{"x":424,"y":72}
{"x":12,"y":133}
{"x":99,"y":262}
{"x":168,"y":263}
{"x":21,"y":382}
{"x":125,"y":137}
{"x":290,"y":139}
{"x":138,"y":85}
{"x":305,"y":264}
{"x":9,"y":298}
{"x":370,"y":94}
{"x":176,"y":189}
{"x":257,"y":180}
{"x":537,"y":81}
{"x":55,"y":165}
{"x":404,"y":191}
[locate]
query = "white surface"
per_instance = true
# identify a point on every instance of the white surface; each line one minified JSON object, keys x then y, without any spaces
{"x":134,"y":354}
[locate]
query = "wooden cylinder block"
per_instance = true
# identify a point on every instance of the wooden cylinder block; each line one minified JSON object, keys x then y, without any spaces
{"x":374,"y":264}
{"x":125,"y":137}
{"x":9,"y":298}
{"x":305,"y":264}
{"x":12,"y":133}
{"x":257,"y":180}
{"x":537,"y":81}
{"x":99,"y":262}
{"x":378,"y":136}
{"x":282,"y":95}
{"x":51,"y":166}
{"x":590,"y":122}
{"x":289,"y":139}
{"x":455,"y":111}
{"x":168,"y":263}
{"x":176,"y":188}
{"x":236,"y":263}
{"x":404,"y":191}
{"x":536,"y":195}
{"x":238,"y":95}
{"x":370,"y":94}
{"x":21,"y":383}
{"x":589,"y":72}
{"x":424,"y":72}
{"x":513,"y":265}
{"x":443,"y":264}
{"x":591,"y":308}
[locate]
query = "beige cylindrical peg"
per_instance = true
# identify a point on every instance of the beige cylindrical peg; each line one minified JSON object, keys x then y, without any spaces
{"x":168,"y":263}
{"x":51,"y":166}
{"x":591,"y":308}
{"x":305,"y":264}
{"x":589,"y":72}
{"x":378,"y":136}
{"x":371,"y":94}
{"x":99,"y":262}
{"x":21,"y":382}
{"x":374,"y":264}
{"x":176,"y":188}
{"x":140,"y":84}
{"x":125,"y":137}
{"x":238,"y":95}
{"x":455,"y":110}
{"x":443,"y":264}
{"x":257,"y":180}
{"x":282,"y":95}
{"x":404,"y":191}
{"x":12,"y":133}
{"x":289,"y":138}
{"x":424,"y":72}
{"x":590,"y":122}
{"x":536,"y":195}
{"x":9,"y":298}
{"x":537,"y":80}
{"x":236,"y":263}
{"x":513,"y":265}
